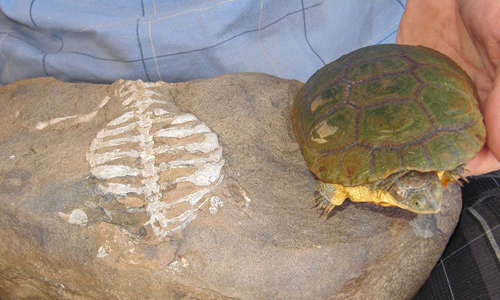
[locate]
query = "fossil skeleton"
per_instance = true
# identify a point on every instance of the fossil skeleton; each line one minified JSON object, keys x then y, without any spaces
{"x":172,"y":160}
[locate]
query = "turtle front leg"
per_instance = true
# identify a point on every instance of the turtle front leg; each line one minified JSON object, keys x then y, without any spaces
{"x":327,"y":196}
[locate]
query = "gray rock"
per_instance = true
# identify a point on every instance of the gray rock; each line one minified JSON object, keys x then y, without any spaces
{"x":254,"y":235}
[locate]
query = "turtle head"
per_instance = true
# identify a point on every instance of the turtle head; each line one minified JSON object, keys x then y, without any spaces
{"x":418,"y":192}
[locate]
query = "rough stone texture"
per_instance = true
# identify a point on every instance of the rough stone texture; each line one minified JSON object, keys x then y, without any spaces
{"x":266,"y":242}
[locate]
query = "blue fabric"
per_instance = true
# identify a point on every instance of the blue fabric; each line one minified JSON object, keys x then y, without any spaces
{"x":179,"y":40}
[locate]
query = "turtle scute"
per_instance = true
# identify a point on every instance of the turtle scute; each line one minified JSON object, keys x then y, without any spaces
{"x":385,"y":111}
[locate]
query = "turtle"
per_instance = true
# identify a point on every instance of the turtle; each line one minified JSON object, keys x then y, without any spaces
{"x":387,"y":124}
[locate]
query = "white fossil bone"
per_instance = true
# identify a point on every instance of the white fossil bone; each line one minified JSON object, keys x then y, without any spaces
{"x":77,"y":118}
{"x":128,"y":157}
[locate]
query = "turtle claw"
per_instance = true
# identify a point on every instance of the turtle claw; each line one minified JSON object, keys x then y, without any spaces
{"x":322,"y":212}
{"x":324,"y":209}
{"x":320,"y":205}
{"x":316,"y":202}
{"x":330,"y":214}
{"x":328,"y":211}
{"x":461,"y":178}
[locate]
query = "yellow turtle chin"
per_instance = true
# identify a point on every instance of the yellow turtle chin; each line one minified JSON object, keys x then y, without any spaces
{"x":414,"y":191}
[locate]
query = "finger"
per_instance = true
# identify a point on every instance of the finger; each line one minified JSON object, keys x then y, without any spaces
{"x":488,"y":159}
{"x":483,"y":162}
{"x":492,"y":118}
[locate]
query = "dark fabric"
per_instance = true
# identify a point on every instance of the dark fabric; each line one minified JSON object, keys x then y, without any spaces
{"x":470,"y":265}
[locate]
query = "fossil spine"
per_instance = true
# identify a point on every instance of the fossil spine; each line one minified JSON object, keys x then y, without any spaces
{"x":147,"y":143}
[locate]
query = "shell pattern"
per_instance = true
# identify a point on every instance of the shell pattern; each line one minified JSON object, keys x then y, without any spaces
{"x":170,"y":160}
{"x":385,"y":109}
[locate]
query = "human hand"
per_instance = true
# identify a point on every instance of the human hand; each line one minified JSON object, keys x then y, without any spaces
{"x":467,"y":31}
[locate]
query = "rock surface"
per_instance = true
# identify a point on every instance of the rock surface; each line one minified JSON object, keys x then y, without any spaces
{"x":63,"y":239}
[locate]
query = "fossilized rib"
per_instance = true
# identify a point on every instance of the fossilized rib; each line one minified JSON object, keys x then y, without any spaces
{"x":173,"y":160}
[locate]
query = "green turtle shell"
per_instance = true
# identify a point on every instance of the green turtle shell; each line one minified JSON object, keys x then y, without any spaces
{"x":385,"y":109}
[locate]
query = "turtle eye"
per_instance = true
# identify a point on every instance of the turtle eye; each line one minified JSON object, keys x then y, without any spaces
{"x":417,"y":204}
